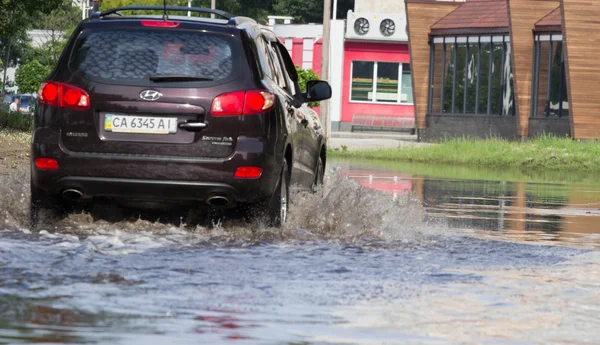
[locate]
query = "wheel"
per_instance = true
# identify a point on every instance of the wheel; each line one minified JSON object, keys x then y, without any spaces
{"x":319,"y":175}
{"x":277,"y":209}
{"x":43,"y":208}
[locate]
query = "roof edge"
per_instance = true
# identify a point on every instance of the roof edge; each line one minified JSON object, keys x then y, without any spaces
{"x":469,"y":31}
{"x":548,"y":28}
{"x":548,"y":14}
{"x":434,"y":2}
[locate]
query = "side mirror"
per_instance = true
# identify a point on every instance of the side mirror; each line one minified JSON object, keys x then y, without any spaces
{"x":317,"y":90}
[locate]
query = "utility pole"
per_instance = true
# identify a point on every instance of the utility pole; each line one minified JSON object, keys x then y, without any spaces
{"x":325,"y":119}
{"x":213,"y":5}
{"x":189,"y":5}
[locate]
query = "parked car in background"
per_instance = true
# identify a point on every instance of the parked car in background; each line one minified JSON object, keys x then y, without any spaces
{"x":27,"y":102}
{"x":183,"y":112}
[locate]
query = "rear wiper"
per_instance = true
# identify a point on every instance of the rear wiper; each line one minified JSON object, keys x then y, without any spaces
{"x":177,"y":77}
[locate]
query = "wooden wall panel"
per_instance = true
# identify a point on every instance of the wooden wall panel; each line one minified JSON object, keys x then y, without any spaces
{"x":581,"y":29}
{"x":523,"y":14}
{"x":421,"y":16}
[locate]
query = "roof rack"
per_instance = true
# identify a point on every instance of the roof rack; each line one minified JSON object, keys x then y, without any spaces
{"x":116,"y":10}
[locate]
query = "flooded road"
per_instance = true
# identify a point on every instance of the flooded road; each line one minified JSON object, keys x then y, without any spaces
{"x":392,"y":254}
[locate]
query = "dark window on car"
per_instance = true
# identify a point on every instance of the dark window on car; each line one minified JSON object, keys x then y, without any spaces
{"x":130,"y":57}
{"x":279,"y":76}
{"x":289,"y":68}
{"x":265,"y":60}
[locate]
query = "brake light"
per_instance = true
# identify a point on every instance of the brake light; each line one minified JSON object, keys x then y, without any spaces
{"x":248,"y":172}
{"x":63,"y":95}
{"x":46,"y":164}
{"x":160,"y":23}
{"x":242,"y":103}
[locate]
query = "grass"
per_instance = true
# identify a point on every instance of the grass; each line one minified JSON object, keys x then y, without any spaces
{"x":8,"y":136}
{"x":543,"y":153}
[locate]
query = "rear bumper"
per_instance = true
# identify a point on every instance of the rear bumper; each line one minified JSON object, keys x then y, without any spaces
{"x":137,"y":189}
{"x":155,"y":178}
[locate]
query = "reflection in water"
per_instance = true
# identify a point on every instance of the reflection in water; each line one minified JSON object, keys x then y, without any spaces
{"x":560,"y":212}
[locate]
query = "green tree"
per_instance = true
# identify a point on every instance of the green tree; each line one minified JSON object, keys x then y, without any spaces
{"x":29,"y":76}
{"x":304,"y":76}
{"x":16,"y":17}
{"x":16,"y":14}
{"x":309,"y":11}
{"x":304,"y":11}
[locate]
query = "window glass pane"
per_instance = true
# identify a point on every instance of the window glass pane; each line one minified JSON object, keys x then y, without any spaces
{"x":263,"y":54}
{"x":130,"y":57}
{"x":555,"y":79}
{"x":508,"y":96}
{"x":278,"y":75}
{"x":387,"y":82}
{"x":461,"y":54}
{"x":362,"y":81}
{"x":448,"y":79}
{"x":484,"y":78}
{"x":436,"y":97}
{"x":496,"y":97}
{"x":542,"y":105}
{"x":406,"y":94}
{"x":565,"y":98}
{"x":472,"y":77}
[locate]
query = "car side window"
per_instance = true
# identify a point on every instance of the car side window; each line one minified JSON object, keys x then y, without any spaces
{"x":281,"y":77}
{"x":264,"y":57}
{"x":286,"y":62}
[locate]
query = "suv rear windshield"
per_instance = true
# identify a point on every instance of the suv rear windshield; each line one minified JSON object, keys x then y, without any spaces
{"x":131,"y":57}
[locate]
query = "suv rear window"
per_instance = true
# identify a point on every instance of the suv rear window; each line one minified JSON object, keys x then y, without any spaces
{"x":130,"y":57}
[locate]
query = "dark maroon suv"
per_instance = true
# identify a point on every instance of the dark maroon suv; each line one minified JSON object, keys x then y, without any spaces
{"x":151,"y":111}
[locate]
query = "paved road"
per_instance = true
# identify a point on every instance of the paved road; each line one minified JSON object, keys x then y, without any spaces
{"x":373,"y":141}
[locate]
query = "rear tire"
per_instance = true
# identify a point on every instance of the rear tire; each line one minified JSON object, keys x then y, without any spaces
{"x":44,"y":209}
{"x":277,"y":208}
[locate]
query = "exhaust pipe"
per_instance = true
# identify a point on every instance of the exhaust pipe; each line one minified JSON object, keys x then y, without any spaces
{"x":218,"y":200}
{"x":72,"y":194}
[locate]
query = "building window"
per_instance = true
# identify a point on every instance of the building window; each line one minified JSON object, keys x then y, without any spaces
{"x":381,"y":82}
{"x":471,"y":75}
{"x":549,"y":87}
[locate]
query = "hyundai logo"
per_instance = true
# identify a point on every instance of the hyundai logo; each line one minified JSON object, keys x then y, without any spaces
{"x":150,"y":95}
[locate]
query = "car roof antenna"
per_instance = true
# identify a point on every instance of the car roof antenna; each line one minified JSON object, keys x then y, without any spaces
{"x":165,"y":17}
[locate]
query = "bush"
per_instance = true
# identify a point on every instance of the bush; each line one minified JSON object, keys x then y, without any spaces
{"x":30,"y":76}
{"x":16,"y":121}
{"x":304,"y":76}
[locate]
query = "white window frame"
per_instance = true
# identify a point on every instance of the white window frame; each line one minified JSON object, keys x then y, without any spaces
{"x":375,"y":101}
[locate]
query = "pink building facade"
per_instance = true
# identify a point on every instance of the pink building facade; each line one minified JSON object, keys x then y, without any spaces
{"x":370,"y":70}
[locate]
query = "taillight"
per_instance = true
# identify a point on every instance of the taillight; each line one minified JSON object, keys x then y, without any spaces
{"x":63,"y":95}
{"x":46,"y":164}
{"x":242,"y":103}
{"x":160,"y":23}
{"x":248,"y":172}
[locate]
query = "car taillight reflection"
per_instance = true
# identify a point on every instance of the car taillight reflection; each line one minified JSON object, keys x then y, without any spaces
{"x":63,"y":95}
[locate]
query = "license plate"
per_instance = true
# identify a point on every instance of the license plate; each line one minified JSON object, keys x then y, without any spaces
{"x":140,"y":124}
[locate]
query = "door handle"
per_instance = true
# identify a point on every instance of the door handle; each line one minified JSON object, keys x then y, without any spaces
{"x":191,"y":126}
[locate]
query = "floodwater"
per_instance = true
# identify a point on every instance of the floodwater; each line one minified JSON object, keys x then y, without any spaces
{"x":390,"y":254}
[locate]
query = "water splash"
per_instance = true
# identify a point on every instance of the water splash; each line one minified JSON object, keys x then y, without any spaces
{"x":341,"y":211}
